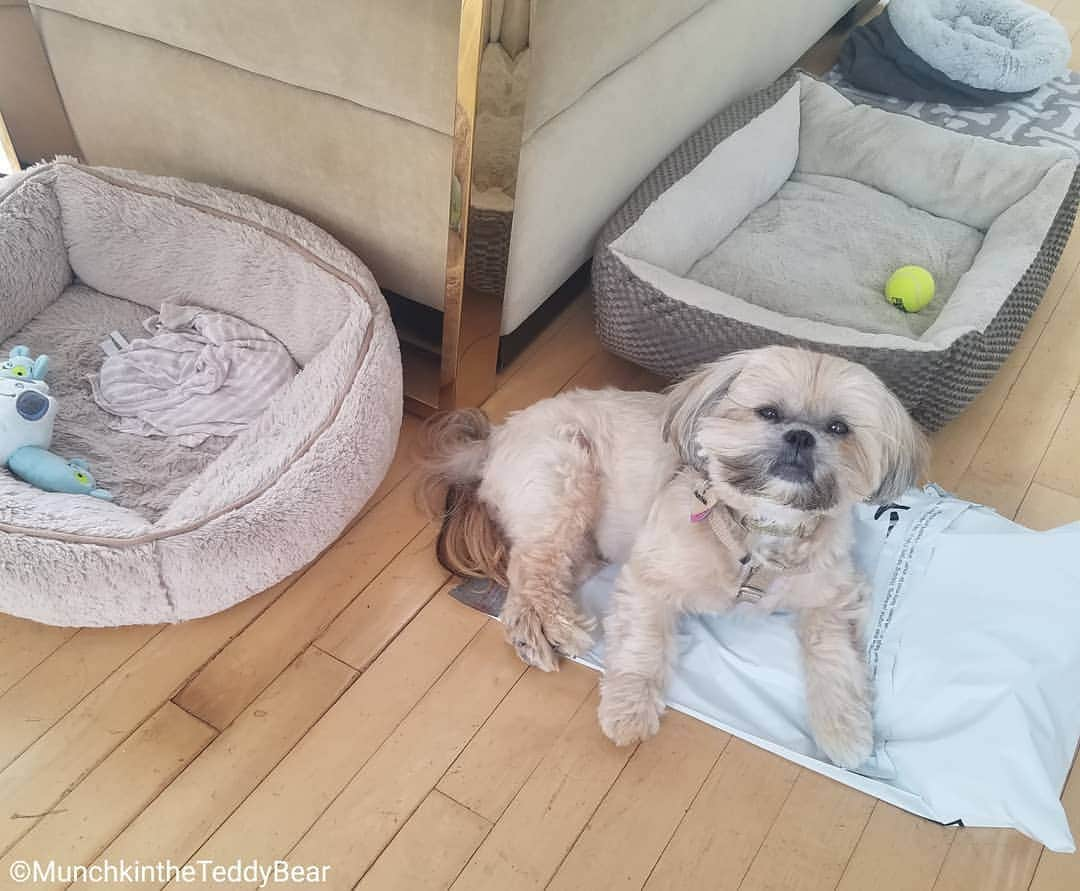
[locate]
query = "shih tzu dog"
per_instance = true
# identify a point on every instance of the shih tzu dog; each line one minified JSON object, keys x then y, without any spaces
{"x":735,"y":486}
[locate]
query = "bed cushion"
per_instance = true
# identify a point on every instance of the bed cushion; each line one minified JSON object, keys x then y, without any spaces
{"x":240,"y":514}
{"x":851,"y":238}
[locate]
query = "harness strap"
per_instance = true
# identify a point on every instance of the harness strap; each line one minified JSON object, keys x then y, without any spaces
{"x":756,"y":574}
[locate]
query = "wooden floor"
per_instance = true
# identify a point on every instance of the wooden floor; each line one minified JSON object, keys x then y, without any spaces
{"x":357,"y":717}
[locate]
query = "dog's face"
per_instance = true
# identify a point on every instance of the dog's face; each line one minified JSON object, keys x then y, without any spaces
{"x":807,"y":431}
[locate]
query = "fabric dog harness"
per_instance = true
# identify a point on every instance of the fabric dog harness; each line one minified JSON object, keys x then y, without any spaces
{"x":757,"y":572}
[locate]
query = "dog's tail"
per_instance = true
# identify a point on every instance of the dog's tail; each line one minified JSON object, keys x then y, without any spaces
{"x":454,"y":450}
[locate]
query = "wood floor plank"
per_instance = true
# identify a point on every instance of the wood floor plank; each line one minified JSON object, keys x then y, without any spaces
{"x":988,"y":860}
{"x":536,"y":831}
{"x":24,"y":645}
{"x":575,"y":344}
{"x":58,"y":683}
{"x":499,"y":759}
{"x":624,"y":838}
{"x":1060,"y":872}
{"x":1013,"y":449}
{"x":812,"y":839}
{"x":185,"y":814}
{"x":250,"y":662}
{"x":402,"y":465}
{"x":897,"y":852}
{"x":606,"y":369}
{"x":1060,"y":468}
{"x":115,"y":792}
{"x":277,"y":814}
{"x":578,"y":313}
{"x":430,"y":849}
{"x":79,"y":741}
{"x":384,"y":607}
{"x":351,"y":833}
{"x":955,"y":446}
{"x":1045,"y":508}
{"x":722,"y":831}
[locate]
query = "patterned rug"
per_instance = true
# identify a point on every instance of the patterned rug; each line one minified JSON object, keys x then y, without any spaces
{"x":1048,"y":117}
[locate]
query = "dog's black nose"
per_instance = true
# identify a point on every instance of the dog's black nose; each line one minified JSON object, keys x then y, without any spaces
{"x":802,"y":440}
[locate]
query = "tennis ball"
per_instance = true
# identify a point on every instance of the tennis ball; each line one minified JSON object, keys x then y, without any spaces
{"x":911,"y":288}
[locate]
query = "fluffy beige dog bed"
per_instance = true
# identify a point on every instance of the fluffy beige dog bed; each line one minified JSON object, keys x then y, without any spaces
{"x":85,"y":250}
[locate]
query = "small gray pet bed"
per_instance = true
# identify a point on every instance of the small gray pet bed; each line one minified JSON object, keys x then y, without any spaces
{"x":782,"y":218}
{"x":1004,"y":45}
{"x":964,"y":52}
{"x":85,"y":251}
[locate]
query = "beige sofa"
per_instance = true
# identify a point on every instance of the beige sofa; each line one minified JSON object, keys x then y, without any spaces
{"x":342,"y":110}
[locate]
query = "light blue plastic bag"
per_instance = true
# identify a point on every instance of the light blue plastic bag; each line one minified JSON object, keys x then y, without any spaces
{"x":974,"y":648}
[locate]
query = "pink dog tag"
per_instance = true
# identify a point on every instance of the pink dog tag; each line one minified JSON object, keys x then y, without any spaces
{"x":707,"y":499}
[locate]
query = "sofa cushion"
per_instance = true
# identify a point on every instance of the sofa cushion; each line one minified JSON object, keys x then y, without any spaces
{"x":376,"y":181}
{"x":398,"y":58}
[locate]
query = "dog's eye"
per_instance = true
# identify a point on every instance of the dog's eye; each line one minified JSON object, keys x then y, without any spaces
{"x":838,"y":428}
{"x":769,"y":413}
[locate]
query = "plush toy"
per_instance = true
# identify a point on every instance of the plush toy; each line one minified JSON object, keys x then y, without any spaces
{"x":53,"y":474}
{"x":19,"y":365}
{"x":27,"y":416}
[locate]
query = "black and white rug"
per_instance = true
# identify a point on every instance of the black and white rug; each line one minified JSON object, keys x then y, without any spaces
{"x":1048,"y":117}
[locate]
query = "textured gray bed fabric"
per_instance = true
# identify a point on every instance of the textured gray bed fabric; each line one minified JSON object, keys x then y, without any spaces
{"x":280,"y":492}
{"x":823,"y":248}
{"x":144,"y":474}
{"x":1024,"y":199}
{"x":1005,"y":45}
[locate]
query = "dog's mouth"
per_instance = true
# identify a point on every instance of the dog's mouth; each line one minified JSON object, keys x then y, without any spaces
{"x":796,"y":470}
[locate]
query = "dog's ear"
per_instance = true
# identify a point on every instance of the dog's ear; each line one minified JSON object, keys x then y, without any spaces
{"x":688,"y":400}
{"x":905,"y":451}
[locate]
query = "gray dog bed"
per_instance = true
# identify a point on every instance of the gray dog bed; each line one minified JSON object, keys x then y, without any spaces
{"x":85,"y":251}
{"x":781,"y":219}
{"x":965,"y":52}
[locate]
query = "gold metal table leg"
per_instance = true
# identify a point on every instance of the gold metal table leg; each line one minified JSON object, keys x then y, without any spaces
{"x":491,"y":84}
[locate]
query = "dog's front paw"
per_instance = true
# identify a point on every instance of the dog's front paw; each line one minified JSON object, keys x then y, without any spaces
{"x":568,"y":630}
{"x":525,"y":631}
{"x":845,"y":735}
{"x":630,"y":709}
{"x":538,"y":636}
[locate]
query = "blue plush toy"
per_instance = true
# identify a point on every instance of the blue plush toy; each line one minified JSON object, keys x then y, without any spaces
{"x":53,"y":474}
{"x":27,"y":415}
{"x":20,"y":366}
